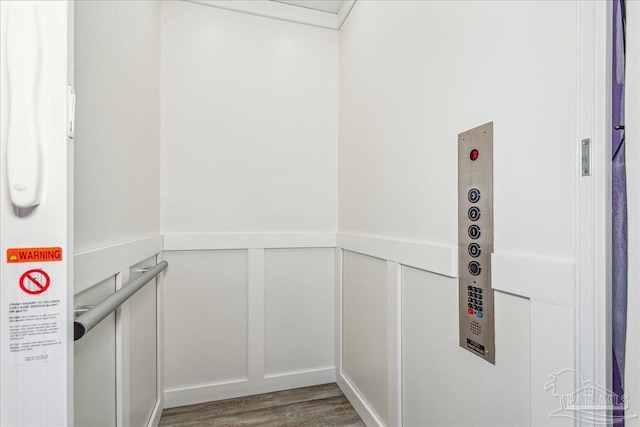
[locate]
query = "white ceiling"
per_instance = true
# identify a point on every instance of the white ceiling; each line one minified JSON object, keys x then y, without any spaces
{"x":331,"y":6}
{"x":329,"y":14}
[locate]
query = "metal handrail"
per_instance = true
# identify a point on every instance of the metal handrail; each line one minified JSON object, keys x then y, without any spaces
{"x":87,"y":320}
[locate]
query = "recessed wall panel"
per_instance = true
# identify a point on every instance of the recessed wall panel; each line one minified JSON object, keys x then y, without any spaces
{"x":94,"y":371}
{"x":299,"y":309}
{"x":205,"y":297}
{"x":142,"y":348}
{"x":364,"y":344}
{"x":444,"y":384}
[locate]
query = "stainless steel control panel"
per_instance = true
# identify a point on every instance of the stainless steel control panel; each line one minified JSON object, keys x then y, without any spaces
{"x":475,"y":240}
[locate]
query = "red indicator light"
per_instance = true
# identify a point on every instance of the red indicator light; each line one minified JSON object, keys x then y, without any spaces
{"x":474,"y":154}
{"x":470,"y":311}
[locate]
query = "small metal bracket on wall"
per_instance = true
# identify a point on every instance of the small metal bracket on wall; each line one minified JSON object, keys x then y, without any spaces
{"x":78,"y":310}
{"x":586,"y":157}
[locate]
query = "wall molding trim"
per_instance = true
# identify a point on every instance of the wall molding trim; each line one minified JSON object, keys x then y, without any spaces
{"x":244,"y":387}
{"x":284,"y":12}
{"x":358,"y":402}
{"x":210,"y":241}
{"x":394,"y":343}
{"x":439,"y":259}
{"x":546,"y":279}
{"x":344,"y":12}
{"x":95,"y":265}
{"x":156,"y":414}
{"x":550,"y":280}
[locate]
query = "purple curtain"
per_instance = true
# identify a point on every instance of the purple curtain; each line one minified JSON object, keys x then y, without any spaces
{"x":619,"y":210}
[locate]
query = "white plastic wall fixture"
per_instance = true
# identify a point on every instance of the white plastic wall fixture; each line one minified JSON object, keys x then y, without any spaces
{"x":24,"y":151}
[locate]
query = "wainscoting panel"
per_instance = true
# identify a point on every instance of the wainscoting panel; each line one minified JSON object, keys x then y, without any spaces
{"x":143,"y":348}
{"x":298,"y":310}
{"x":205,"y":297}
{"x":126,"y":366}
{"x":364,"y":345}
{"x":95,"y":364}
{"x":444,"y":384}
{"x":247,"y":321}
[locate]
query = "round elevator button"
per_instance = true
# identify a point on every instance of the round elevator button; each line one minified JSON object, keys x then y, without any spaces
{"x":474,"y":268}
{"x":473,"y":213}
{"x":474,"y":250}
{"x":473,"y":195}
{"x":474,"y":231}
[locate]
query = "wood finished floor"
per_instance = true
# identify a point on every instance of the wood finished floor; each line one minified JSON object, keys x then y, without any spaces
{"x":322,"y":405}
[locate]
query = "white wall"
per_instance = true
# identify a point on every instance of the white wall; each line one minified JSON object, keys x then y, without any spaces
{"x":249,"y":202}
{"x":241,"y":322}
{"x":412,"y":76}
{"x":415,"y":74}
{"x":142,"y":349}
{"x":205,"y":318}
{"x":36,"y":49}
{"x":117,"y":157}
{"x":435,"y":369}
{"x":95,"y":369}
{"x":364,"y":328}
{"x":249,"y":123}
{"x":117,"y":205}
{"x":299,"y":304}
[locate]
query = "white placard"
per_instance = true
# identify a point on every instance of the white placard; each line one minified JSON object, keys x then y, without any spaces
{"x":33,"y":313}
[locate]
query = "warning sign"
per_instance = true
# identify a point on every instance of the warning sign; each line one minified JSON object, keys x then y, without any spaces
{"x":35,"y":282}
{"x":34,"y":305}
{"x":50,"y":254}
{"x":36,"y":330}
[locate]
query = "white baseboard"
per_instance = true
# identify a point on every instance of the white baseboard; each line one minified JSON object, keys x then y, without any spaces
{"x":156,"y":414}
{"x":244,"y":387}
{"x":358,"y":402}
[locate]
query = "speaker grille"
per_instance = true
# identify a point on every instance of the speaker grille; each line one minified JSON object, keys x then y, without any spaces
{"x":476,"y":329}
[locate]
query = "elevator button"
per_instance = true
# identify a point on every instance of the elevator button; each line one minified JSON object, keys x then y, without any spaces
{"x":473,"y":213}
{"x":473,"y":195}
{"x":474,"y":268}
{"x":474,"y":231}
{"x":479,"y":314}
{"x":473,"y":155}
{"x":474,"y":250}
{"x":470,"y":311}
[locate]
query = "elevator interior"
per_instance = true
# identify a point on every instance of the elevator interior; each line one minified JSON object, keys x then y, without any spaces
{"x":307,"y":176}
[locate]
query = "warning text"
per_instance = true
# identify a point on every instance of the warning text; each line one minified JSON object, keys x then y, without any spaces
{"x":50,"y":254}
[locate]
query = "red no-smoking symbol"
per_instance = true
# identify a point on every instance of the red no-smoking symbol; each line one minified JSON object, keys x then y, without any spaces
{"x":35,"y":282}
